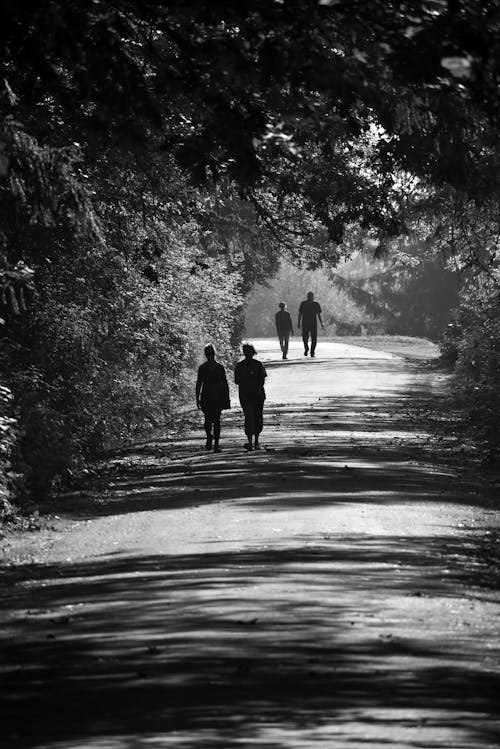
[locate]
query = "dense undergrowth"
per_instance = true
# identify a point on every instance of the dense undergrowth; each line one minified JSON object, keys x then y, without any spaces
{"x":472,"y":347}
{"x":107,"y":314}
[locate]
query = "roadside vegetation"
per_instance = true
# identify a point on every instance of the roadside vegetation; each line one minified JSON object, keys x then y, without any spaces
{"x":364,"y":295}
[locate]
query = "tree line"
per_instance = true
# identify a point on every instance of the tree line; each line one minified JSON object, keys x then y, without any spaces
{"x":157,"y":160}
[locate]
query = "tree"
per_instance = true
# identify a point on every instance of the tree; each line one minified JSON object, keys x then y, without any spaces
{"x":157,"y":154}
{"x":271,"y":96}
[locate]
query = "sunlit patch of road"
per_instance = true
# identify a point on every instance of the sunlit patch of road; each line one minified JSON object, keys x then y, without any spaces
{"x":338,"y":371}
{"x":268,"y":349}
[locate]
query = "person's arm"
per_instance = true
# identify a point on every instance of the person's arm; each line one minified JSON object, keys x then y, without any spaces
{"x":276,"y":322}
{"x":199,"y":383}
{"x":300,"y":316}
{"x":319,"y":317}
{"x":225,"y":388}
{"x":291,"y":323}
{"x":237,"y":374}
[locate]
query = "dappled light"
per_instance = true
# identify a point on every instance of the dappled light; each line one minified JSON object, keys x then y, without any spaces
{"x":378,"y":445}
{"x":244,"y":643}
{"x":333,"y":588}
{"x":249,"y":374}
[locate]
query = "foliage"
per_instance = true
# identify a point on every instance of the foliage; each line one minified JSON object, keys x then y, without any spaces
{"x":476,"y":340}
{"x":412,"y":291}
{"x":472,"y":343}
{"x":157,"y":159}
{"x":341,"y":314}
{"x":8,"y":437}
{"x":106,"y":351}
{"x":308,"y":106}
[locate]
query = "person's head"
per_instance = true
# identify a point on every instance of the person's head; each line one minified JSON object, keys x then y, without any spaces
{"x":282,"y":305}
{"x":310,"y":296}
{"x":210,"y":352}
{"x":248,"y":350}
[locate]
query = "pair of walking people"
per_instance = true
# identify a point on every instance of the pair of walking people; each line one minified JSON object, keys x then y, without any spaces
{"x":212,"y":395}
{"x":309,"y":314}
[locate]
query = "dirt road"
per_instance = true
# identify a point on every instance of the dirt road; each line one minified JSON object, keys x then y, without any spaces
{"x":332,"y":590}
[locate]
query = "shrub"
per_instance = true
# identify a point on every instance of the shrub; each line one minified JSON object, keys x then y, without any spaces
{"x":475,"y":342}
{"x":106,"y":352}
{"x":8,"y":436}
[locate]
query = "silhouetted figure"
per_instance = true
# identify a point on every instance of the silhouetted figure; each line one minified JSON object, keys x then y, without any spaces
{"x":212,"y":396}
{"x":284,"y":328}
{"x":309,"y":314}
{"x":249,"y":375}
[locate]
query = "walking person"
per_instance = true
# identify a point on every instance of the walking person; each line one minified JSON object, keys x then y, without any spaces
{"x":309,"y":314}
{"x":284,"y":328}
{"x":212,"y":396}
{"x":249,"y":375}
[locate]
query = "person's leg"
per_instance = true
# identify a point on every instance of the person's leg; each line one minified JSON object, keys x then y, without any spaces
{"x":216,"y":431}
{"x":286,"y":339}
{"x":250,"y":423}
{"x":208,"y":430}
{"x":305,"y":338}
{"x":259,"y":421}
{"x":247,"y":407}
{"x":314,"y":339}
{"x":281,"y":340}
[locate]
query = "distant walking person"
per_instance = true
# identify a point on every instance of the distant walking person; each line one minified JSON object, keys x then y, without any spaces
{"x":212,"y":396}
{"x":309,"y":313}
{"x":284,"y":328}
{"x":249,"y":375}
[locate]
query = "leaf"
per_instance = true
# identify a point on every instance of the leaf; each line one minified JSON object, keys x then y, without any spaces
{"x":412,"y":31}
{"x":361,"y":56}
{"x":459,"y":67}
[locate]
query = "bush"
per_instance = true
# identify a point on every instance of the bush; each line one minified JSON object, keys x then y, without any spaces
{"x":106,"y":352}
{"x":8,"y":435}
{"x":110,"y":289}
{"x":474,"y":341}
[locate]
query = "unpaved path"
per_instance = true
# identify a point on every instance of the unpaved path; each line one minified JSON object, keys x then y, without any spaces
{"x":333,"y":590}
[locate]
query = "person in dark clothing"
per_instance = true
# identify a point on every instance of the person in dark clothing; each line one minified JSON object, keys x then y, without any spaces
{"x":212,"y":396}
{"x":309,"y":313}
{"x":249,"y":375}
{"x":284,"y":328}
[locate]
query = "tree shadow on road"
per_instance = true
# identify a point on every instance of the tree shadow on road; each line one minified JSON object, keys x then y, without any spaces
{"x":366,"y":450}
{"x":305,"y":643}
{"x":220,"y":648}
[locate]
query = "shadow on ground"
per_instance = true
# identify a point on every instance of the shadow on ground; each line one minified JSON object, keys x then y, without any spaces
{"x":332,"y":640}
{"x":216,"y":648}
{"x":391,"y":449}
